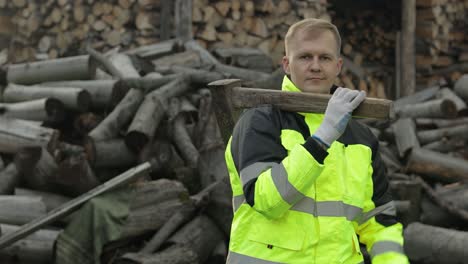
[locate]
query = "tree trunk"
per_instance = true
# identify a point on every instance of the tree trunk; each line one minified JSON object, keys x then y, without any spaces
{"x":16,"y":134}
{"x":430,"y":244}
{"x":46,"y":110}
{"x":70,"y":68}
{"x":73,"y":98}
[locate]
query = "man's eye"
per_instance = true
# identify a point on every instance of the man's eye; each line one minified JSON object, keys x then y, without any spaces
{"x":305,"y":57}
{"x":326,"y":58}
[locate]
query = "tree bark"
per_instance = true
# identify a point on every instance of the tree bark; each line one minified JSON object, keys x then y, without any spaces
{"x":35,"y":248}
{"x":100,"y":90}
{"x":461,"y":87}
{"x":19,"y":210}
{"x":419,"y":97}
{"x":37,"y":168}
{"x":428,"y":136}
{"x":160,"y":49}
{"x":125,"y":110}
{"x":273,"y":81}
{"x":70,"y":68}
{"x":112,"y":153}
{"x":176,"y":254}
{"x":434,"y":108}
{"x":72,"y":98}
{"x":74,"y":175}
{"x":46,"y":110}
{"x":9,"y":178}
{"x":50,"y":200}
{"x":405,"y":135}
{"x":74,"y":204}
{"x":446,"y":93}
{"x":16,"y":134}
{"x":151,"y":112}
{"x":408,"y":25}
{"x":430,"y":244}
{"x":436,"y":165}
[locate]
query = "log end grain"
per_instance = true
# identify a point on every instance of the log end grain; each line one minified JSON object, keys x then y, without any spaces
{"x":55,"y":109}
{"x":449,"y":108}
{"x":90,"y":150}
{"x":118,"y":93}
{"x":135,"y":141}
{"x":84,"y":101}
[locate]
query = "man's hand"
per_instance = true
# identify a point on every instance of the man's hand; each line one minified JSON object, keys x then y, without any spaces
{"x":337,"y":115}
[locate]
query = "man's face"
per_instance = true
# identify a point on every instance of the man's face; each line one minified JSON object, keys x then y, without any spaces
{"x":313,"y":61}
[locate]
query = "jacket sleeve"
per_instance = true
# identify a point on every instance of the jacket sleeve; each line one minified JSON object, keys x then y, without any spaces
{"x":272,"y":180}
{"x":378,"y":228}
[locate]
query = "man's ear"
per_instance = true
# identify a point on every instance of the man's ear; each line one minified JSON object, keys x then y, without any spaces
{"x":285,"y":63}
{"x":339,"y":65}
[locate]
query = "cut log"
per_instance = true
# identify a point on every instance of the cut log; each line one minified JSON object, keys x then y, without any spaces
{"x":37,"y":168}
{"x":433,"y":108}
{"x":35,"y":248}
{"x":428,"y":136}
{"x":74,"y":204}
{"x":16,"y":134}
{"x":409,"y":190}
{"x":446,"y":145}
{"x":430,"y":244}
{"x":437,"y":166}
{"x":125,"y":110}
{"x":405,"y":135}
{"x":181,"y":137}
{"x":156,"y":50}
{"x":187,"y":58}
{"x":440,"y":123}
{"x":175,"y":254}
{"x":50,"y":200}
{"x":201,"y":234}
{"x":9,"y":178}
{"x":240,"y":73}
{"x":112,"y":153}
{"x":461,"y":87}
{"x":151,"y":112}
{"x":70,"y":68}
{"x":74,"y":175}
{"x":46,"y":110}
{"x":271,"y":82}
{"x":446,"y":93}
{"x":19,"y":210}
{"x":72,"y":98}
{"x":419,"y":97}
{"x":100,"y":90}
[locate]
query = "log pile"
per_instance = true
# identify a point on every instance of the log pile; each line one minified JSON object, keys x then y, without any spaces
{"x":70,"y":125}
{"x":425,"y":151}
{"x":441,"y":42}
{"x":56,"y":28}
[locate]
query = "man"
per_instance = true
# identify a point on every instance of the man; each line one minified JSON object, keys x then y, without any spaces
{"x":306,"y":185}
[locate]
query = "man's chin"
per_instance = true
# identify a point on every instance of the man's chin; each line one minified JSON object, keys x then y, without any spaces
{"x":316,"y":89}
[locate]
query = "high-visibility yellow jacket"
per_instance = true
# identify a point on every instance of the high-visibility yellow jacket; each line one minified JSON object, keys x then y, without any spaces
{"x":295,"y":202}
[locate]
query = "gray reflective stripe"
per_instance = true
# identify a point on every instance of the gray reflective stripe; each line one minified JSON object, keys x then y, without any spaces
{"x":327,"y":208}
{"x":254,"y":170}
{"x":237,"y":201}
{"x":387,"y":209}
{"x":384,"y":247}
{"x":236,"y":258}
{"x":287,"y":191}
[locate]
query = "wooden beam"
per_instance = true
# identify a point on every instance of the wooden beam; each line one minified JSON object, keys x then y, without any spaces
{"x":74,"y":204}
{"x":408,"y":59}
{"x":183,"y":19}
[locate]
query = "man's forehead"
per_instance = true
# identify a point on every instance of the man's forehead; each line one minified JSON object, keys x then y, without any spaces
{"x":314,"y":34}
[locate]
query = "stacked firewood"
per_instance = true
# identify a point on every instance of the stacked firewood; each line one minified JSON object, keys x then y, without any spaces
{"x":368,"y":46}
{"x":247,"y":23}
{"x":68,"y":125}
{"x":441,"y":39}
{"x":56,"y":28}
{"x":425,"y":150}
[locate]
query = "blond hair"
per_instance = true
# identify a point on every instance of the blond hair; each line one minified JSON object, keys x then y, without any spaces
{"x":312,"y":24}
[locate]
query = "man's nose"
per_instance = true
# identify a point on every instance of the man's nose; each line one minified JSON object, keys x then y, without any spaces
{"x":314,"y":64}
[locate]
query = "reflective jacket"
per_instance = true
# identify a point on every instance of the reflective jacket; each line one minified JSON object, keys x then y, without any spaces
{"x":294,"y":202}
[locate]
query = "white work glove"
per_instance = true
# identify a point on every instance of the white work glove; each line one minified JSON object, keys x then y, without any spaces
{"x":337,"y":115}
